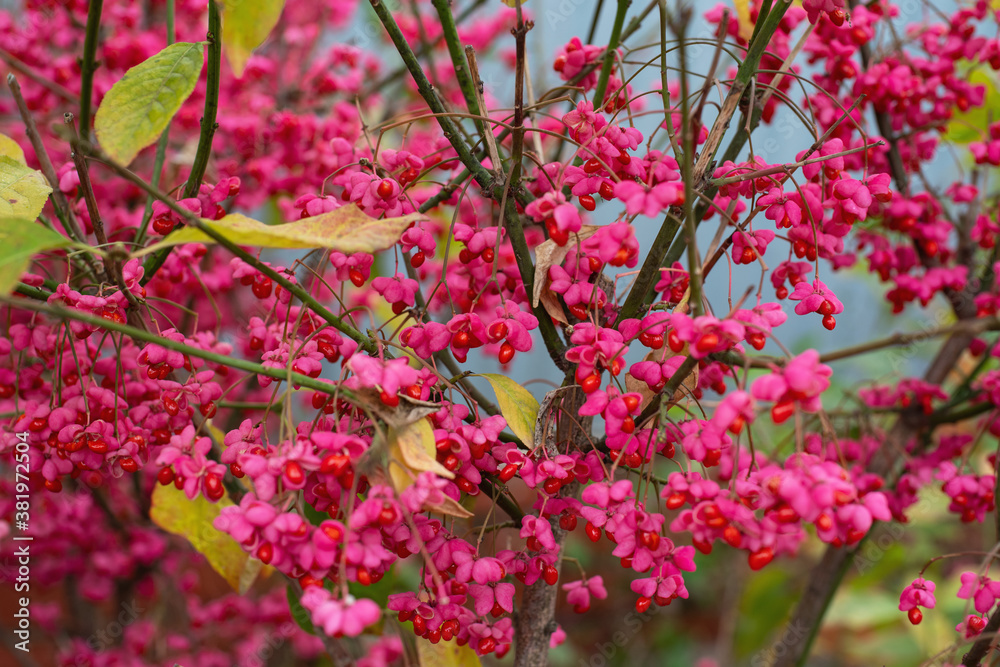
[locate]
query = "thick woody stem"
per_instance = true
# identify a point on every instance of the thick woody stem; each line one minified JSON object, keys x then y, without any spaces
{"x":535,"y":620}
{"x":828,"y":574}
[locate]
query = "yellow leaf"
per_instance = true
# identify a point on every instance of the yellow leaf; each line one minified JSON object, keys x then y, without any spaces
{"x":245,"y":26}
{"x":517,"y":406}
{"x":346,"y":229}
{"x":743,"y":19}
{"x":10,"y":148}
{"x":140,"y":105}
{"x":411,"y":452}
{"x":445,"y":654}
{"x":172,"y":511}
{"x":23,"y":190}
{"x":513,"y":3}
{"x":20,"y":240}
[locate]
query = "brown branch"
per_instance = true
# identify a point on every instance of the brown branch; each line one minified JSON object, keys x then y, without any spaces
{"x":58,"y":198}
{"x":827,"y":575}
{"x":982,"y":646}
{"x":20,"y":66}
{"x":535,"y":620}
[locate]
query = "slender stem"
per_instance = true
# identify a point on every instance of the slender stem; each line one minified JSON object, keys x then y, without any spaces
{"x":672,"y":385}
{"x":381,"y":84}
{"x":791,"y":166}
{"x":650,"y":269}
{"x":149,"y":337}
{"x":512,"y":221}
{"x":20,"y":66}
{"x":63,"y":210}
{"x":745,"y":72}
{"x":426,"y":90}
{"x":594,"y":21}
{"x":32,"y":292}
{"x":465,"y":83}
{"x":517,"y":145}
{"x":687,"y":165}
{"x":765,"y":9}
{"x":208,"y":127}
{"x":192,"y":220}
{"x":609,"y":53}
{"x":212,"y":83}
{"x":668,"y":114}
{"x":89,"y":198}
{"x":161,"y":145}
{"x":88,"y":65}
{"x":515,"y":231}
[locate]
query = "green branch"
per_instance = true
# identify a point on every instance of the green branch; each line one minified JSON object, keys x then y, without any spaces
{"x":462,"y":75}
{"x":482,"y":176}
{"x":208,"y":127}
{"x":88,"y":65}
{"x":365,"y":342}
{"x":146,"y":336}
{"x":609,"y":53}
{"x":212,"y":84}
{"x":161,"y":145}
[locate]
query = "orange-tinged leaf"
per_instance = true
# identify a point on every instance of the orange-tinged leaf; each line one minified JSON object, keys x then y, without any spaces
{"x":172,"y":511}
{"x":411,"y":452}
{"x":548,"y":254}
{"x":743,"y":19}
{"x":346,"y":229}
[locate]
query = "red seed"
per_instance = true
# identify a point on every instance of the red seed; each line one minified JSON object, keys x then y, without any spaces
{"x":506,"y":353}
{"x":760,"y":558}
{"x":782,"y":411}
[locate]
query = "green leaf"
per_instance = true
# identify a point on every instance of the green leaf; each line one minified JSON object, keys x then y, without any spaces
{"x":969,"y":126}
{"x":517,"y":406}
{"x":445,"y":654}
{"x":23,"y":190}
{"x":245,"y":26}
{"x":140,"y":105}
{"x":20,"y":240}
{"x":346,"y":229}
{"x":172,"y":511}
{"x":299,"y":613}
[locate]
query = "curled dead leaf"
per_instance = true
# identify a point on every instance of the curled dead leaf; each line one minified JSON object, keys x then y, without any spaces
{"x":547,"y":255}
